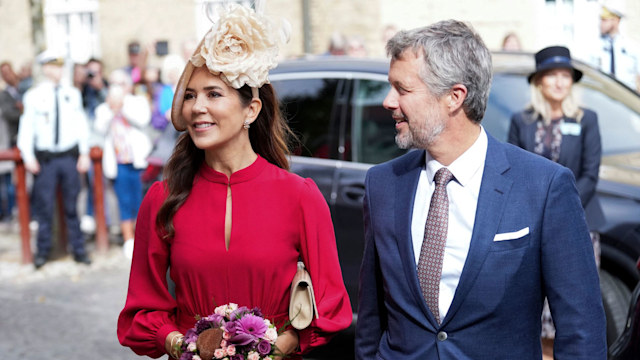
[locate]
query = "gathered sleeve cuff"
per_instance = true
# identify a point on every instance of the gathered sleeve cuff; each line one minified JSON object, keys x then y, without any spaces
{"x":149,"y":312}
{"x":320,"y":256}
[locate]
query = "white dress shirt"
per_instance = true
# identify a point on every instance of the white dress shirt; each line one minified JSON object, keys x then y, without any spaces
{"x":37,"y":125}
{"x":462,"y":193}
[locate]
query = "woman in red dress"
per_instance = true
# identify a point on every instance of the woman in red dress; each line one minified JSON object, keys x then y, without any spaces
{"x":229,"y":220}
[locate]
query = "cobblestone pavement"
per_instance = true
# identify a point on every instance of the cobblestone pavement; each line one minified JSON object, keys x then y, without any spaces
{"x":63,"y":310}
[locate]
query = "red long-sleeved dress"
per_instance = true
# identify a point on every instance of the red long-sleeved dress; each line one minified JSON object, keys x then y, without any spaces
{"x":277,"y":217}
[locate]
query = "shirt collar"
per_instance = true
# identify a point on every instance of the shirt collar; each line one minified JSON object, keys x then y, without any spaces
{"x":466,"y":165}
{"x":51,"y":84}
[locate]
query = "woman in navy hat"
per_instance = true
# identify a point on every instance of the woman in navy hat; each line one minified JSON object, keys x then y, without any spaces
{"x":553,"y":125}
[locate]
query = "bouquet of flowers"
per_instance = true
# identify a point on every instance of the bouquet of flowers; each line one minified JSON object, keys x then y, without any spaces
{"x":231,"y":333}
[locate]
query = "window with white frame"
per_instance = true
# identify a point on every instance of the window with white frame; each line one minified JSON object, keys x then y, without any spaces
{"x":572,"y":23}
{"x":71,"y":28}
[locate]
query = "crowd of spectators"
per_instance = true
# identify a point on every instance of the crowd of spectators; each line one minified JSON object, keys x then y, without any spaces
{"x":127,"y":111}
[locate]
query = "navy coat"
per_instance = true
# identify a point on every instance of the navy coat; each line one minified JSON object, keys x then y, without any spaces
{"x":580,"y":152}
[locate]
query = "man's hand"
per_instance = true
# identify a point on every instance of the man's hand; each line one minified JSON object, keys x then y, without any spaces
{"x":33,"y":167}
{"x":83,"y":164}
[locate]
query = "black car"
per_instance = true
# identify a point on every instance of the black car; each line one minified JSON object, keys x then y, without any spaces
{"x":627,"y":346}
{"x":335,"y":106}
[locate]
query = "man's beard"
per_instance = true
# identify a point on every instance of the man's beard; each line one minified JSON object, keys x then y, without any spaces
{"x":422,"y":136}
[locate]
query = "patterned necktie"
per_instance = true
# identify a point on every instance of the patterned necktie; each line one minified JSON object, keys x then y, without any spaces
{"x":435,"y":238}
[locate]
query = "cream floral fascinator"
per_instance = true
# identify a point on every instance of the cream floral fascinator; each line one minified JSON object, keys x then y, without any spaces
{"x":241,"y":47}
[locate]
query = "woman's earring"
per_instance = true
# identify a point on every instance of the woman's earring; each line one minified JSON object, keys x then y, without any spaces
{"x":246,"y":124}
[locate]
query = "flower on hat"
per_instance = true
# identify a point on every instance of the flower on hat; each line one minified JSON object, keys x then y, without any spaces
{"x":241,"y":47}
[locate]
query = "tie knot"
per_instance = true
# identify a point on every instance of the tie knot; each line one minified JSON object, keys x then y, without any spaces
{"x":443,"y":176}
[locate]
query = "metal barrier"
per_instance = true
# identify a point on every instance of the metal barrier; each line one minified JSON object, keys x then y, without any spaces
{"x":22,"y":200}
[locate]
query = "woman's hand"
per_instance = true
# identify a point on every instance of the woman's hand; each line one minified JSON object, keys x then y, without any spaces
{"x":287,"y":342}
{"x":171,"y":344}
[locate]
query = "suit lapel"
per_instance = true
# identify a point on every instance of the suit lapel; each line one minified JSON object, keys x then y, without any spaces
{"x":405,"y":192}
{"x":494,"y":191}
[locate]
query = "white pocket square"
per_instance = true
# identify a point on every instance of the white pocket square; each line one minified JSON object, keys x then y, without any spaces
{"x":511,"y":235}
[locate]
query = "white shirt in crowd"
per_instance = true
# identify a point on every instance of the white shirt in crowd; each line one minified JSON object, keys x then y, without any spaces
{"x":36,"y":131}
{"x":626,"y":59}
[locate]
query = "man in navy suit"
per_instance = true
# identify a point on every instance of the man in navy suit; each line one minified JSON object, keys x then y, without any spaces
{"x":514,"y":229}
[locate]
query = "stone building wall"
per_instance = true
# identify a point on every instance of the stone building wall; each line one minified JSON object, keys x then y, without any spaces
{"x":147,"y":21}
{"x":175,"y":21}
{"x":15,"y":33}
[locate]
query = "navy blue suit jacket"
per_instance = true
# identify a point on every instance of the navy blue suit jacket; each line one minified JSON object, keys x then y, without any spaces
{"x":580,"y":152}
{"x":495,"y":313}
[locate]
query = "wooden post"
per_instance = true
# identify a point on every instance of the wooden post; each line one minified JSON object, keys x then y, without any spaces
{"x":22,"y":199}
{"x":102,"y":238}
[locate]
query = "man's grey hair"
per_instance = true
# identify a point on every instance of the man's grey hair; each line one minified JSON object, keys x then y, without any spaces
{"x":453,"y":54}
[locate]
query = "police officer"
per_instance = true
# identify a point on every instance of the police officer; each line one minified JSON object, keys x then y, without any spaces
{"x":53,"y":140}
{"x":615,"y":55}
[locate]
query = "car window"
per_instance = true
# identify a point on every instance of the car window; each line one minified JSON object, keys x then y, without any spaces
{"x":308,"y":106}
{"x":372,"y":128}
{"x":509,"y":94}
{"x":619,"y":123}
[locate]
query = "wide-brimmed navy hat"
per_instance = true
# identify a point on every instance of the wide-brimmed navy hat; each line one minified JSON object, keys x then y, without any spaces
{"x":555,"y":57}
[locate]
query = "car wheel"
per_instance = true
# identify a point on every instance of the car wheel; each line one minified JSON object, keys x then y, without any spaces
{"x":615,"y":299}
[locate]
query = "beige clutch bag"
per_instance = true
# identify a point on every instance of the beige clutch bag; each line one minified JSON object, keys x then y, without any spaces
{"x":302,"y":306}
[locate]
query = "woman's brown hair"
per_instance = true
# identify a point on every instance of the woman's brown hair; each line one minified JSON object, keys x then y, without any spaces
{"x":269,"y":135}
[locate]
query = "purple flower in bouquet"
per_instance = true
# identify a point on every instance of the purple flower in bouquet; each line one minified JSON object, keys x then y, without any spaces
{"x":239,"y":313}
{"x":248,"y":329}
{"x":191,"y":336}
{"x":231,"y":327}
{"x":257,"y":312}
{"x":252,"y":325}
{"x":241,"y":339}
{"x":216,"y":320}
{"x":264,"y":347}
{"x":204,"y":324}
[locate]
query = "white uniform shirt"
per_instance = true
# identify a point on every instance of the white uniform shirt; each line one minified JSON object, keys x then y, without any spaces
{"x":626,"y":59}
{"x":37,"y":124}
{"x":462,"y":193}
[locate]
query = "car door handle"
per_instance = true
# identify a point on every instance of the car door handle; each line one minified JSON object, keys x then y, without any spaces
{"x":354,"y":193}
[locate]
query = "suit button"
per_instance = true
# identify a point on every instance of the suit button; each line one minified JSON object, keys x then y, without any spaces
{"x":442,"y":336}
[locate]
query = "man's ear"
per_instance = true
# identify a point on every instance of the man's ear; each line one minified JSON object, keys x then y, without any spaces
{"x":457,"y":95}
{"x":254,"y":109}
